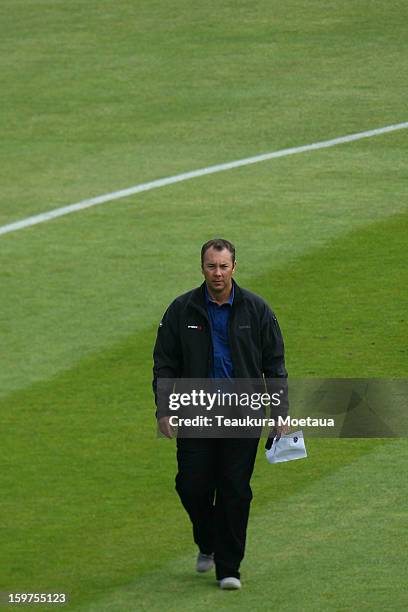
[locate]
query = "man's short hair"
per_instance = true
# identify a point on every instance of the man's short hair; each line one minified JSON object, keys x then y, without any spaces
{"x":219,"y":244}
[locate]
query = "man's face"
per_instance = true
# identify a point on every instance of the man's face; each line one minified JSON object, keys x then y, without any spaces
{"x":218,"y":269}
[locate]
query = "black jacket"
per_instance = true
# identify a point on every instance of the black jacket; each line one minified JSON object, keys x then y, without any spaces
{"x":184,"y":349}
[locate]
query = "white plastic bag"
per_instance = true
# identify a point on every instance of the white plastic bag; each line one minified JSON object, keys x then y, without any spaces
{"x":287,"y":448}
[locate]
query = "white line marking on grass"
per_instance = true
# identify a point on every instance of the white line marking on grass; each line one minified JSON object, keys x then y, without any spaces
{"x":185,"y":176}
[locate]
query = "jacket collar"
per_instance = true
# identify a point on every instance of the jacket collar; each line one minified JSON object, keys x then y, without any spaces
{"x":198,"y":295}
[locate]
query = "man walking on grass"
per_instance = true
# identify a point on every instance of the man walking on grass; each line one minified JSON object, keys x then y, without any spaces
{"x":217,"y":331}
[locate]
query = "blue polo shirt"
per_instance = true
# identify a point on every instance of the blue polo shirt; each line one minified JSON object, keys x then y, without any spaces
{"x":219,"y":316}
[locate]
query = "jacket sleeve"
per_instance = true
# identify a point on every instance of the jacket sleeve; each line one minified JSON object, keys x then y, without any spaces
{"x":273,"y":361}
{"x":167,"y":354}
{"x":273,"y":350}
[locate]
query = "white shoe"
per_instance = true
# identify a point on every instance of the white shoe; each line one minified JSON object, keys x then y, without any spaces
{"x":204,"y":562}
{"x":230,"y":583}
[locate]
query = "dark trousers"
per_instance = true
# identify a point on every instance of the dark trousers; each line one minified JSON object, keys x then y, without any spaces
{"x":213,"y":485}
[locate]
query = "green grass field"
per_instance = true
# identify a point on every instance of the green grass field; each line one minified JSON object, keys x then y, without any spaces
{"x":100,"y":96}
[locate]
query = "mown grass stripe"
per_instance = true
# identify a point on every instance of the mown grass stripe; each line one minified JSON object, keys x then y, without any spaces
{"x":185,"y":176}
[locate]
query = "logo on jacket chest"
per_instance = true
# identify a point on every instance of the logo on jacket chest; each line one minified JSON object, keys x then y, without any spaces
{"x":195,"y":326}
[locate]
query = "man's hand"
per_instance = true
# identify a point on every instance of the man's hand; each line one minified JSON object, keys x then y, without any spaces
{"x":165,"y":427}
{"x":280,"y":430}
{"x":275,"y":433}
